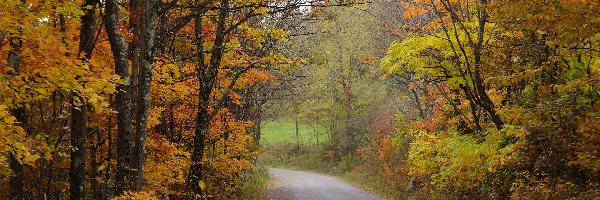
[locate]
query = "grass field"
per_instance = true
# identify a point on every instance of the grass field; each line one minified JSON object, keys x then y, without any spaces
{"x":284,"y":131}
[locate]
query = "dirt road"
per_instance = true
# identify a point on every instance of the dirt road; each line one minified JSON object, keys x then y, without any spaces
{"x":298,"y":185}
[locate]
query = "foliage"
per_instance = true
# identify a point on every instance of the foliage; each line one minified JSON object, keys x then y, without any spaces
{"x":46,"y":77}
{"x":538,"y":67}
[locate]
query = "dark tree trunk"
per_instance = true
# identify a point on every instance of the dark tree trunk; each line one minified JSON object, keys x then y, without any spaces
{"x":95,"y":184}
{"x":486,"y":102}
{"x":77,"y":167}
{"x":207,"y":74}
{"x":297,"y":129}
{"x":133,"y":49}
{"x":16,"y":181}
{"x":147,"y":32}
{"x":202,"y":121}
{"x":123,"y":98}
{"x":79,"y":113}
{"x":257,"y":126}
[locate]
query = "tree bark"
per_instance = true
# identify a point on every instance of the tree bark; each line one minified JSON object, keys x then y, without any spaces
{"x":202,"y":116}
{"x":79,"y":113}
{"x":16,"y":181}
{"x":147,"y":32}
{"x":297,"y":129}
{"x":123,"y":98}
{"x":207,"y":74}
{"x":486,"y":102}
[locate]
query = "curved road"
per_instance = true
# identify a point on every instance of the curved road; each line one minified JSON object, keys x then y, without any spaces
{"x":298,"y":185}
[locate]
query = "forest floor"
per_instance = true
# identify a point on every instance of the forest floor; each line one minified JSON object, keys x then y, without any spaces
{"x":300,"y":185}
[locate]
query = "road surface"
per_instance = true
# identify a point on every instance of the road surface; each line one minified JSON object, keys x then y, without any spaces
{"x":298,"y":185}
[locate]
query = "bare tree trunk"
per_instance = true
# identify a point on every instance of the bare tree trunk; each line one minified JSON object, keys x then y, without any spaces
{"x":133,"y":49}
{"x":147,"y":32}
{"x":16,"y":181}
{"x":207,"y":74}
{"x":487,"y":103}
{"x":79,"y":113}
{"x":297,"y":130}
{"x":257,"y":126}
{"x":95,"y":184}
{"x":123,"y":98}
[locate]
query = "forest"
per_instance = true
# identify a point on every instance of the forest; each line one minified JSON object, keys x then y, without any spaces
{"x":204,"y":99}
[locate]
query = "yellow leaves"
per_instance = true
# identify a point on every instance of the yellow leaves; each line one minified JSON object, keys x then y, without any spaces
{"x":26,"y":157}
{"x":154,"y":115}
{"x":13,"y":140}
{"x":410,"y":55}
{"x":143,"y":195}
{"x":202,"y":185}
{"x":462,"y":160}
{"x":166,"y":166}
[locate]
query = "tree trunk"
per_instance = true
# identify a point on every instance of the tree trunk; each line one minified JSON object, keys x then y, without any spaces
{"x":123,"y":98}
{"x":133,"y":49}
{"x":207,"y":74}
{"x":202,"y":121}
{"x":16,"y":181}
{"x":297,"y":130}
{"x":79,"y":113}
{"x":147,"y":34}
{"x":94,"y":150}
{"x":257,"y":126}
{"x":486,"y":102}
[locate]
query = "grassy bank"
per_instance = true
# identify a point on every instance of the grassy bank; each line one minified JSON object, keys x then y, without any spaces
{"x":254,"y":184}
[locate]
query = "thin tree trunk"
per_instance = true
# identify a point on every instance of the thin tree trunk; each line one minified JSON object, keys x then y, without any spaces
{"x":297,"y":130}
{"x":202,"y":115}
{"x":16,"y":181}
{"x":123,"y":98}
{"x":95,"y":184}
{"x":79,"y":113}
{"x":207,"y":74}
{"x":487,"y":103}
{"x":109,"y":155}
{"x":149,"y":13}
{"x":133,"y":49}
{"x":257,"y":126}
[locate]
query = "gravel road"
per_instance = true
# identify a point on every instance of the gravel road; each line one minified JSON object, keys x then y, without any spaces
{"x":299,"y":185}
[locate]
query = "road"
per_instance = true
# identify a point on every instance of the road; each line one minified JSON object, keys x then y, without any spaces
{"x":299,"y":185}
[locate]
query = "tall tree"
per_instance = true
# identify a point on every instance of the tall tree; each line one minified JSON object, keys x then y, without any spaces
{"x":206,"y":73}
{"x":16,"y":181}
{"x":14,"y":61}
{"x":123,"y":97}
{"x":149,"y":14}
{"x":79,"y":110}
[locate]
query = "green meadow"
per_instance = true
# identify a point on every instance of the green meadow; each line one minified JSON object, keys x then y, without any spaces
{"x":284,"y":131}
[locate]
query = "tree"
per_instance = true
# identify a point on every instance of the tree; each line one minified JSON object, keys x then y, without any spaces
{"x":149,"y":14}
{"x":14,"y":61}
{"x":122,"y":102}
{"x":79,"y":110}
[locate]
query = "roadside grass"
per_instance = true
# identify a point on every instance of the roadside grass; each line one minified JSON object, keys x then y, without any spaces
{"x":254,"y":184}
{"x":284,"y":131}
{"x":374,"y":184}
{"x":290,"y":156}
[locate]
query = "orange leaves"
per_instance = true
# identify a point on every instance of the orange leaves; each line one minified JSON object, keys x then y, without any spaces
{"x":412,"y":11}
